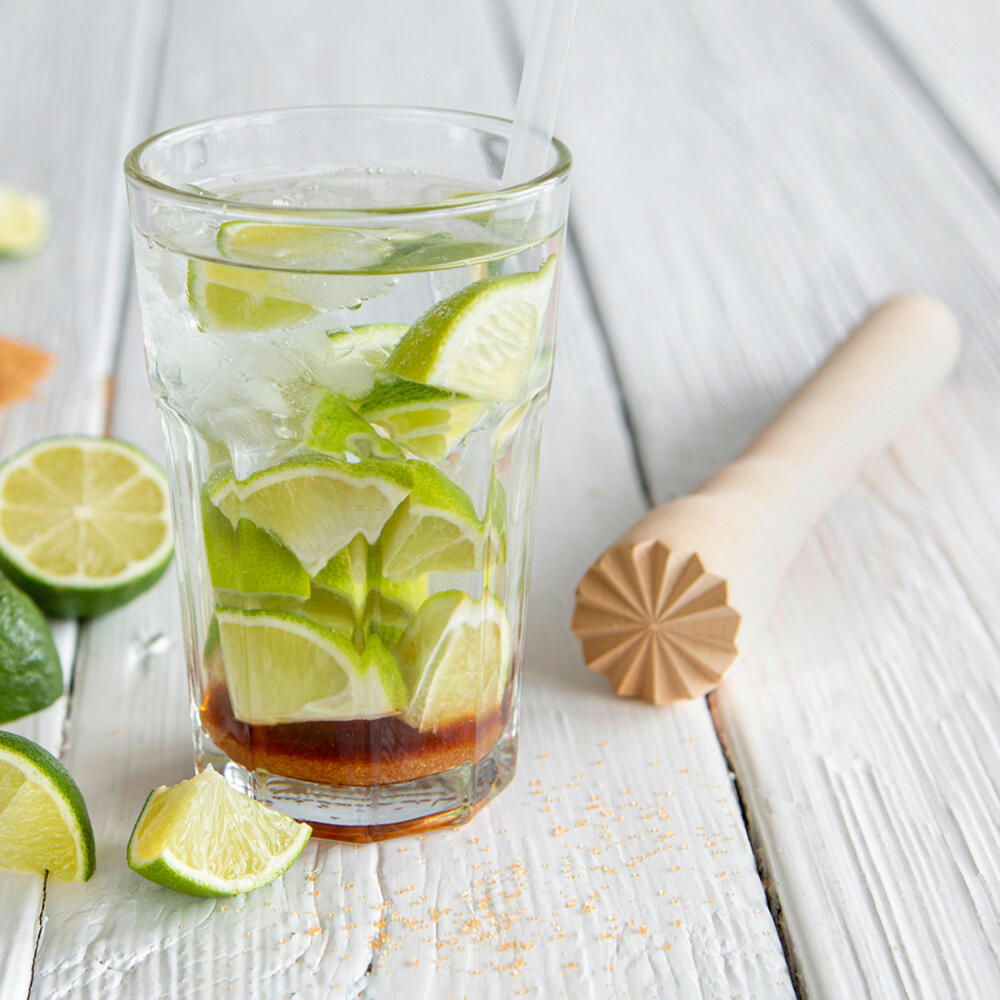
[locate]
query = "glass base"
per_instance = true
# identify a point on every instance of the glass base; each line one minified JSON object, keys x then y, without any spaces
{"x":364,"y":814}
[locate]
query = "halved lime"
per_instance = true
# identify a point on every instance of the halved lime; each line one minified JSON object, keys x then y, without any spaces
{"x":282,"y":667}
{"x":249,"y":560}
{"x":435,"y":529}
{"x":44,"y":824}
{"x":479,"y":341}
{"x":423,"y":419}
{"x":84,"y":523}
{"x":203,"y":838}
{"x":24,"y":222}
{"x":30,"y":675}
{"x":354,"y":356}
{"x":223,"y":297}
{"x":337,"y":430}
{"x":455,"y":658}
{"x":314,"y":506}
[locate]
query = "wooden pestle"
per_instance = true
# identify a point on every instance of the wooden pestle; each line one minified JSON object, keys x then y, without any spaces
{"x":661,"y":610}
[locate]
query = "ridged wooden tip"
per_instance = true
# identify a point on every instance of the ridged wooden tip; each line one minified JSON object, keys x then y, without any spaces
{"x":655,"y":624}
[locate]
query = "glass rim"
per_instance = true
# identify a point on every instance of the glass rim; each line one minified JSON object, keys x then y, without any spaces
{"x":474,"y":200}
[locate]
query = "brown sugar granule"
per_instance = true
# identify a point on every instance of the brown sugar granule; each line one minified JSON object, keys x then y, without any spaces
{"x":21,"y":366}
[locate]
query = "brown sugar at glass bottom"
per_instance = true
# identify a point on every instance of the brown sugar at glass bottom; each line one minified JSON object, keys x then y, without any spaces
{"x":357,"y":752}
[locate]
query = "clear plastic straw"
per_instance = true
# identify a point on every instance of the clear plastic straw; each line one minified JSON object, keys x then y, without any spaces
{"x":538,"y":95}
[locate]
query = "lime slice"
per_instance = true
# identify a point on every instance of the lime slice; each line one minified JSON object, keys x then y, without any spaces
{"x":84,"y":525}
{"x":479,"y":341}
{"x":355,"y":355}
{"x":455,"y":658}
{"x":337,"y":430}
{"x":223,"y":297}
{"x":30,"y":675}
{"x":315,"y":506}
{"x":435,"y":529}
{"x":44,"y":824}
{"x":203,"y":838}
{"x":346,"y":575}
{"x":425,"y":420}
{"x":284,"y":668}
{"x":24,"y":222}
{"x":496,"y":519}
{"x":310,"y":248}
{"x":425,"y":253}
{"x":248,"y":559}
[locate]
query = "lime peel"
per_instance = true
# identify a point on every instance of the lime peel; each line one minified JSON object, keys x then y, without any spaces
{"x":203,"y":838}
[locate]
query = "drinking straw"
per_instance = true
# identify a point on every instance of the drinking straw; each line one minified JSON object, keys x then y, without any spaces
{"x":538,"y":94}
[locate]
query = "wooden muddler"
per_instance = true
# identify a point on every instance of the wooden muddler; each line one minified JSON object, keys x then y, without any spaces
{"x":661,"y":611}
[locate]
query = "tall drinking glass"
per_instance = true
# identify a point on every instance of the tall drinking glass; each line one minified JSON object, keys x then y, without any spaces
{"x":349,"y":328}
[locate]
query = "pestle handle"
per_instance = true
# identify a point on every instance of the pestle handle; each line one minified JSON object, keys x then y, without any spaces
{"x":847,"y":410}
{"x":660,"y":612}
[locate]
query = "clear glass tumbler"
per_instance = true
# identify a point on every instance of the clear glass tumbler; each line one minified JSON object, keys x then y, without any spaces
{"x":349,"y":328}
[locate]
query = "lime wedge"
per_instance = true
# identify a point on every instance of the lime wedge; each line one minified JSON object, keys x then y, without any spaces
{"x":44,"y":824}
{"x":337,"y":430}
{"x":249,"y":560}
{"x":223,"y":297}
{"x":315,"y":506}
{"x":284,"y":668}
{"x":346,"y":575}
{"x":423,"y":419}
{"x":310,"y":248}
{"x":455,"y":658}
{"x":355,"y":355}
{"x":203,"y":838}
{"x":24,"y":222}
{"x":435,"y":529}
{"x":479,"y":341}
{"x":30,"y":675}
{"x":84,"y":525}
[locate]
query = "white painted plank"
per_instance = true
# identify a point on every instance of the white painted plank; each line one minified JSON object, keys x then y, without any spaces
{"x":956,"y":54}
{"x":751,"y":181}
{"x":617,"y":862}
{"x":68,"y":298}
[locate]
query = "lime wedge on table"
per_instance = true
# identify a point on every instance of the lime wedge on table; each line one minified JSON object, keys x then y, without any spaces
{"x":355,"y":355}
{"x":249,"y":560}
{"x":479,"y":341}
{"x":423,"y":419}
{"x":30,"y":675}
{"x":315,"y":506}
{"x":337,"y":430}
{"x":203,"y":838}
{"x":44,"y":824}
{"x":24,"y":222}
{"x":435,"y":529}
{"x":84,"y":524}
{"x":223,"y":297}
{"x":455,"y":658}
{"x":284,"y":668}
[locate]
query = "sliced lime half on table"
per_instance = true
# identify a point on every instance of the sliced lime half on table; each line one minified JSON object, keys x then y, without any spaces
{"x":203,"y":838}
{"x":84,"y":524}
{"x":44,"y":825}
{"x":24,"y":222}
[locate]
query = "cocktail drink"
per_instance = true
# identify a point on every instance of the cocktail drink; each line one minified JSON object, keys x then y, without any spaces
{"x":349,"y":330}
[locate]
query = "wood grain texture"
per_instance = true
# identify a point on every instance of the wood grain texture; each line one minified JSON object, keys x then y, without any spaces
{"x":616,"y":864}
{"x":773,"y":175}
{"x":61,"y":135}
{"x":954,"y":55}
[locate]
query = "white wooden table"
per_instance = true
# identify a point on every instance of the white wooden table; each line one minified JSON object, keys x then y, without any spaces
{"x":749,"y":178}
